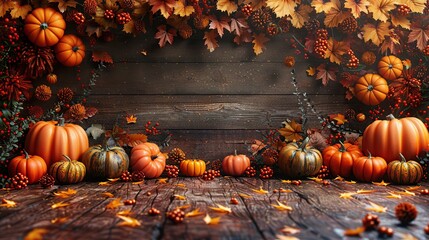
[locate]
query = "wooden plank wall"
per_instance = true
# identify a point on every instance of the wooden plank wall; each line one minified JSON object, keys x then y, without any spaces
{"x":204,"y":97}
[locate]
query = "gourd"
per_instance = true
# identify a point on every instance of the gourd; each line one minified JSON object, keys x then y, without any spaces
{"x":68,"y":171}
{"x":192,"y":167}
{"x":105,"y":162}
{"x":404,"y":172}
{"x":146,"y":157}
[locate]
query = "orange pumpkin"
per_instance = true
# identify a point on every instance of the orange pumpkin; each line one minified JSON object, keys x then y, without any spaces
{"x":147,"y":158}
{"x":369,"y":169}
{"x":70,"y":50}
{"x":51,"y":78}
{"x":235,"y":165}
{"x":34,"y":167}
{"x":51,"y":140}
{"x":371,"y":89}
{"x":192,"y":167}
{"x":44,"y":27}
{"x":388,"y":138}
{"x":390,"y":67}
{"x":340,"y":157}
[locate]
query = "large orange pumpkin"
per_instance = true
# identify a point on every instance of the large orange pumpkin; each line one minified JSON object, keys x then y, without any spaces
{"x":390,"y":67}
{"x":235,"y":165}
{"x":70,"y":50}
{"x":33,"y":167}
{"x":371,"y":89}
{"x":51,"y":140}
{"x":369,"y":169}
{"x":388,"y":138}
{"x":340,"y":157}
{"x":44,"y":27}
{"x":146,"y":157}
{"x":192,"y":167}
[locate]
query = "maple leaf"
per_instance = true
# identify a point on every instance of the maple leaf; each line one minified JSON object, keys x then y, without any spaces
{"x":400,"y":20}
{"x":162,"y":180}
{"x":112,"y":180}
{"x":101,"y":56}
{"x":184,"y":207}
{"x":115,"y":203}
{"x":364,"y":191}
{"x":382,"y":183}
{"x":7,"y":203}
{"x":65,"y":193}
{"x":260,"y":190}
{"x":281,"y":207}
{"x":405,"y":193}
{"x":350,"y":182}
{"x":335,"y":50}
{"x":376,"y":208}
{"x":19,"y":11}
{"x":291,"y":131}
{"x":221,"y":209}
{"x":59,"y":220}
{"x":219,"y":24}
{"x":243,"y":195}
{"x":339,"y":178}
{"x":413,"y":188}
{"x":417,"y":6}
{"x":63,"y":4}
{"x":315,"y":179}
{"x":357,"y":6}
{"x":107,"y":195}
{"x":259,"y":41}
{"x":165,"y":36}
{"x":393,"y":195}
{"x":182,"y":185}
{"x":194,"y":213}
{"x":256,"y":4}
{"x":59,"y":205}
{"x":245,"y":37}
{"x":211,"y":221}
{"x":238,"y":25}
{"x":182,"y":10}
{"x":282,"y":7}
{"x":126,"y":212}
{"x":131,"y":119}
{"x":164,"y":6}
{"x":290,"y":230}
{"x":347,"y":195}
{"x":380,"y":9}
{"x":210,"y":40}
{"x":311,"y":71}
{"x":90,"y":112}
{"x":36,"y":234}
{"x":339,"y":118}
{"x":226,"y":6}
{"x":137,"y":183}
{"x":179,"y":197}
{"x":325,"y":74}
{"x":376,"y":33}
{"x":419,"y":35}
{"x":354,"y":232}
{"x":104,"y":183}
{"x":322,"y":6}
{"x":130,"y":27}
{"x":128,"y":222}
{"x":335,"y":15}
{"x":94,"y":29}
{"x":5,"y":6}
{"x":301,"y":16}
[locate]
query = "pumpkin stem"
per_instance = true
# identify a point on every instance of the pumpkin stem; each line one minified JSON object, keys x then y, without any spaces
{"x":342,"y":147}
{"x":390,"y":117}
{"x":154,"y":157}
{"x":370,"y":87}
{"x":61,"y":122}
{"x":369,"y":154}
{"x":44,"y":26}
{"x":402,"y":158}
{"x":26,"y":155}
{"x":235,"y":152}
{"x":304,"y":143}
{"x":75,"y":48}
{"x":67,"y":158}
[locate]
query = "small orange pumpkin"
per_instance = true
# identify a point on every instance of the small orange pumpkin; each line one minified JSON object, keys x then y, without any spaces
{"x":390,"y":67}
{"x":369,"y":169}
{"x":33,"y":167}
{"x":235,"y":165}
{"x":192,"y":167}
{"x":70,"y":50}
{"x":371,"y":89}
{"x":146,"y":157}
{"x":51,"y":78}
{"x":340,"y":157}
{"x":44,"y":27}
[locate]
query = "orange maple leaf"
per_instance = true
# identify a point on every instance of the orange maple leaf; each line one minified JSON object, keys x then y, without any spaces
{"x":7,"y":203}
{"x":291,"y":131}
{"x":131,"y":119}
{"x":135,"y":139}
{"x":256,"y":4}
{"x":420,"y":35}
{"x":354,"y":232}
{"x":301,"y":16}
{"x":101,"y":56}
{"x":182,"y":10}
{"x":311,"y":71}
{"x":164,"y":6}
{"x":259,"y":41}
{"x":128,"y":221}
{"x":376,"y":33}
{"x":391,"y":43}
{"x":36,"y":234}
{"x":417,"y":6}
{"x":322,"y":6}
{"x":211,"y":221}
{"x":226,"y":6}
{"x":219,"y":24}
{"x":325,"y":74}
{"x":210,"y":40}
{"x":20,"y":11}
{"x":194,"y":213}
{"x":380,"y":9}
{"x":339,"y":118}
{"x":335,"y":50}
{"x":282,"y":7}
{"x":115,"y":203}
{"x":335,"y":15}
{"x":5,"y":6}
{"x":356,"y":7}
{"x":400,"y":21}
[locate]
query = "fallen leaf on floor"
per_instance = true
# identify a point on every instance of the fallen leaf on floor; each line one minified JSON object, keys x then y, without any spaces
{"x":382,"y":183}
{"x":128,"y":222}
{"x":194,"y":213}
{"x":162,"y":180}
{"x":405,"y":193}
{"x":221,"y":209}
{"x":376,"y":208}
{"x":139,"y":182}
{"x":282,"y":237}
{"x":413,"y":188}
{"x":286,"y":181}
{"x":318,"y":180}
{"x":182,"y":185}
{"x":364,"y":191}
{"x":350,"y":182}
{"x":115,"y":203}
{"x":65,"y":193}
{"x":211,"y":221}
{"x":260,"y":190}
{"x":36,"y":234}
{"x":347,"y":195}
{"x":126,"y":212}
{"x":339,"y":178}
{"x":281,"y":207}
{"x":290,"y":230}
{"x":112,"y":180}
{"x":355,"y":232}
{"x":107,"y":195}
{"x":104,"y":183}
{"x":7,"y":203}
{"x":285,"y":191}
{"x":179,"y":197}
{"x":393,"y":195}
{"x":183,"y":207}
{"x":408,"y":237}
{"x":59,"y":205}
{"x":59,"y":220}
{"x":243,"y":195}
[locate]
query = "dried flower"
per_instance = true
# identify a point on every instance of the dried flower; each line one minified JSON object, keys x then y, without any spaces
{"x":36,"y":111}
{"x":289,"y":61}
{"x":14,"y":85}
{"x":37,"y":61}
{"x":65,"y":95}
{"x":406,"y":213}
{"x":77,"y":112}
{"x":43,"y":93}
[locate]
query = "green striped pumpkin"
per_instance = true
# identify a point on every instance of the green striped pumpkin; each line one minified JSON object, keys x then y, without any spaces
{"x":105,"y":162}
{"x":67,"y":171}
{"x":299,"y":161}
{"x":404,"y":172}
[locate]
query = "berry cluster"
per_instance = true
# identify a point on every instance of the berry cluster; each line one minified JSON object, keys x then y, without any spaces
{"x":266,"y":172}
{"x":403,"y":9}
{"x":247,"y":9}
{"x":137,"y":176}
{"x":153,"y":211}
{"x":323,"y":172}
{"x":250,"y":171}
{"x":234,"y":201}
{"x":370,"y":221}
{"x":353,"y":61}
{"x":78,"y":18}
{"x":349,"y":25}
{"x":8,"y":32}
{"x":109,"y":14}
{"x":210,"y":174}
{"x":321,"y":44}
{"x":172,"y":171}
{"x":19,"y":181}
{"x":272,"y":29}
{"x":126,"y":177}
{"x":129,"y":202}
{"x":123,"y":18}
{"x":177,"y":215}
{"x":151,"y":130}
{"x":47,"y":181}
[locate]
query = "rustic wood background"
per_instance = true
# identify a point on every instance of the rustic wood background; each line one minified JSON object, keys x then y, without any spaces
{"x":202,"y":97}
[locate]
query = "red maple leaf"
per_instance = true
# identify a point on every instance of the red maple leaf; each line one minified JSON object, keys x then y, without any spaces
{"x":420,"y":35}
{"x":165,"y":36}
{"x":210,"y":40}
{"x":220,"y":24}
{"x":238,"y":25}
{"x":325,"y":74}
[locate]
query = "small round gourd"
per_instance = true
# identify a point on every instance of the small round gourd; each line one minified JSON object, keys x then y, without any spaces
{"x":68,"y":171}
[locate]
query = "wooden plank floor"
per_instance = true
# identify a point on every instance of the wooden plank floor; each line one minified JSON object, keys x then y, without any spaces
{"x":317,"y":210}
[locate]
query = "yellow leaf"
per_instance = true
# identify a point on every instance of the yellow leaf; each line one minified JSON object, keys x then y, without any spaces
{"x":335,"y":15}
{"x":20,"y":11}
{"x":382,"y":183}
{"x":182,"y":185}
{"x":126,"y":212}
{"x":413,"y":188}
{"x":7,"y":203}
{"x":311,"y":71}
{"x":162,"y":180}
{"x":59,"y":220}
{"x":290,"y":230}
{"x":350,"y":182}
{"x":380,"y":9}
{"x":65,"y":194}
{"x":182,"y":10}
{"x":347,"y":195}
{"x":376,"y":208}
{"x":316,"y":179}
{"x":301,"y":16}
{"x":36,"y":234}
{"x":211,"y":221}
{"x":164,"y":6}
{"x":335,"y":50}
{"x":184,"y":207}
{"x":113,"y":179}
{"x":405,"y":193}
{"x":400,"y":20}
{"x":354,"y":232}
{"x":259,"y":41}
{"x":243,"y":195}
{"x":291,"y":131}
{"x":128,"y":222}
{"x":137,"y":183}
{"x":285,"y":191}
{"x":282,"y":7}
{"x":179,"y":197}
{"x":393,"y":195}
{"x":322,"y":6}
{"x":357,"y":6}
{"x":59,"y":205}
{"x":5,"y":6}
{"x":115,"y":203}
{"x":260,"y":190}
{"x":364,"y":191}
{"x":226,"y":6}
{"x":129,"y":27}
{"x":221,"y":209}
{"x":339,"y":178}
{"x":104,"y":183}
{"x":417,"y":6}
{"x":194,"y":213}
{"x":63,"y":4}
{"x":281,"y":207}
{"x":107,"y":195}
